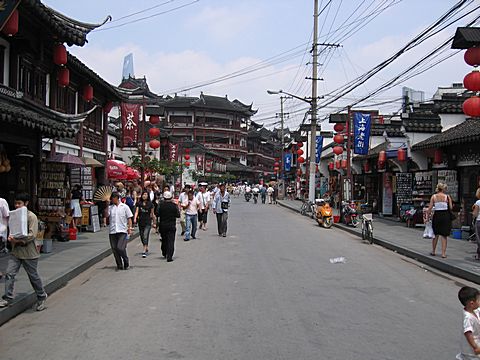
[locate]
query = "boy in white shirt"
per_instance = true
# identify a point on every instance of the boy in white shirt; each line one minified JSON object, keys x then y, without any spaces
{"x":191,"y":206}
{"x":469,"y":297}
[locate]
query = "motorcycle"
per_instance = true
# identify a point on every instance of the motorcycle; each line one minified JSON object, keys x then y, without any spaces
{"x":255,"y":197}
{"x":349,"y":212}
{"x":324,"y":213}
{"x":248,"y":196}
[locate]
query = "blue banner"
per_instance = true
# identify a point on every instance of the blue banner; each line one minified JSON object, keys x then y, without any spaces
{"x":361,"y":132}
{"x":288,"y":162}
{"x":318,"y":147}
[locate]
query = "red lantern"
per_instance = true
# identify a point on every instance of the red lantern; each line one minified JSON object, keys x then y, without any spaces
{"x":108,"y":107}
{"x":366,"y":166}
{"x":382,"y":156}
{"x":337,"y":150}
{"x":154,"y":132}
{"x":339,"y":139}
{"x":299,"y":172}
{"x":338,"y":127}
{"x":63,"y":77}
{"x":88,"y":93}
{"x":276,"y":168}
{"x":299,"y":152}
{"x":301,"y":160}
{"x":187,"y":157}
{"x":11,"y":26}
{"x":471,"y":81}
{"x":276,"y":164}
{"x":331,"y":166}
{"x":338,"y":164}
{"x":472,"y":56}
{"x":187,"y":163}
{"x":402,"y":154}
{"x":471,"y":106}
{"x":154,"y":119}
{"x":154,"y":144}
{"x":344,"y":164}
{"x":438,"y":156}
{"x":299,"y":144}
{"x":380,"y":164}
{"x":187,"y":151}
{"x":60,"y":54}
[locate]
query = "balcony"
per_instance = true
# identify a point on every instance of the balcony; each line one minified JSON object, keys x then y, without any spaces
{"x":217,"y":146}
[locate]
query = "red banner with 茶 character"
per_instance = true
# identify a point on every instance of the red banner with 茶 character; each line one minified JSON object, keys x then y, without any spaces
{"x":130,"y":120}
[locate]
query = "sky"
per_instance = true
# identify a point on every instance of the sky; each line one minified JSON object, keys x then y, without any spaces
{"x":265,"y":44}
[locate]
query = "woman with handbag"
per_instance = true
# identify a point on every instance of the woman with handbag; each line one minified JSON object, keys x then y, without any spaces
{"x":476,"y":222}
{"x":442,"y":217}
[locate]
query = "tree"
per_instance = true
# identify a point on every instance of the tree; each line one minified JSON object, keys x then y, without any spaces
{"x":153,"y":165}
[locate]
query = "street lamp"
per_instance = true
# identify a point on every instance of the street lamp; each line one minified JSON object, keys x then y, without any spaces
{"x":312,"y":169}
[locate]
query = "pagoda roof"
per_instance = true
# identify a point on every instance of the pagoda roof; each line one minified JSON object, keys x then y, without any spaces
{"x":465,"y":132}
{"x":466,"y":37}
{"x":65,"y":29}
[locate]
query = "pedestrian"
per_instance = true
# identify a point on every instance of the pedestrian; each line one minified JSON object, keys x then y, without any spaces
{"x":476,"y":221}
{"x":275,"y":193}
{"x":191,"y":206}
{"x":144,"y":215}
{"x":441,"y":221}
{"x":24,"y":253}
{"x":470,"y":345}
{"x":221,"y":204}
{"x":77,"y":197}
{"x":270,"y":191}
{"x":4,"y":209}
{"x":120,"y":226}
{"x":131,"y":200}
{"x":122,"y":192}
{"x":204,"y":197}
{"x":168,"y":213}
{"x":263,"y":194}
{"x":181,"y":199}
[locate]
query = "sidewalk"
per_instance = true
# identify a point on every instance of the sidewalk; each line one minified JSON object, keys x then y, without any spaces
{"x":409,"y":242}
{"x":67,"y":260}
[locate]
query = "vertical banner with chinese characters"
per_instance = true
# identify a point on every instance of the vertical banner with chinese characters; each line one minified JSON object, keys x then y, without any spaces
{"x":318,"y":148}
{"x":288,"y":162}
{"x":130,"y":118}
{"x":208,"y":165}
{"x":173,"y":152}
{"x":199,"y":162}
{"x":361,"y":127}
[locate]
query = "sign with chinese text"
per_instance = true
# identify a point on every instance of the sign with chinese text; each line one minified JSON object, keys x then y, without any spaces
{"x":318,"y":148}
{"x":361,"y":127}
{"x":288,"y":162}
{"x":173,"y":152}
{"x":208,"y":165}
{"x":199,"y":162}
{"x":130,"y":119}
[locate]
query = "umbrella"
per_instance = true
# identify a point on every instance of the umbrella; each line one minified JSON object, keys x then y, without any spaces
{"x":116,"y":170}
{"x":92,"y":162}
{"x":66,"y":159}
{"x":132,"y":174}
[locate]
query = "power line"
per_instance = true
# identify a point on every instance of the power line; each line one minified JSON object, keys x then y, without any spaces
{"x":142,"y":11}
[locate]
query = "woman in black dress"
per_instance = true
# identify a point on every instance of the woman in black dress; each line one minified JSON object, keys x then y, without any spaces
{"x":144,"y":216}
{"x":441,"y":222}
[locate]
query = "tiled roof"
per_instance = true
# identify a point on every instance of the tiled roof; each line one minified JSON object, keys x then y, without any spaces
{"x":465,"y":132}
{"x":15,"y":112}
{"x":68,"y":30}
{"x":466,"y":37}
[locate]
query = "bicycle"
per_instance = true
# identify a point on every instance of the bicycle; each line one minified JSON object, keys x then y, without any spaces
{"x":367,"y":227}
{"x":308,"y":208}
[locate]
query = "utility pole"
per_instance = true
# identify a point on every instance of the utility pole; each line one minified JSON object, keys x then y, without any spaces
{"x":313,"y":135}
{"x":282,"y":141}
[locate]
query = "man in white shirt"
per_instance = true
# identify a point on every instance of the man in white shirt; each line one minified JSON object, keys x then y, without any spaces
{"x":270,"y":194}
{"x":191,"y":206}
{"x":120,"y":226}
{"x":204,"y":197}
{"x":220,"y":206}
{"x":181,"y":199}
{"x":3,"y":224}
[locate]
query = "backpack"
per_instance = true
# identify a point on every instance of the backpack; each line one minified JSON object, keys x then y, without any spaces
{"x":129,"y":201}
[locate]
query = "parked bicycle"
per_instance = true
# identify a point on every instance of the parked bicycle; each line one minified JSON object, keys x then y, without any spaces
{"x":367,"y":227}
{"x":309,"y":209}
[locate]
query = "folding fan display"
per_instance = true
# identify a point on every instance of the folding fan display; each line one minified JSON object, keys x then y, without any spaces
{"x":103,"y":193}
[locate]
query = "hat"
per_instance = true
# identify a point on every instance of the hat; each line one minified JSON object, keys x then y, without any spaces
{"x":167,"y":195}
{"x":203,"y":184}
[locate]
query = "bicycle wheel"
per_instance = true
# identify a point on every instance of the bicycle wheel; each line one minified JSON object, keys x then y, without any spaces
{"x":370,"y":232}
{"x":303,"y":210}
{"x":364,"y":231}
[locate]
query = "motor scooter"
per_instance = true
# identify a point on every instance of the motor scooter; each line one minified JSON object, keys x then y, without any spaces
{"x":349,"y":212}
{"x":248,"y":196}
{"x":324,"y":213}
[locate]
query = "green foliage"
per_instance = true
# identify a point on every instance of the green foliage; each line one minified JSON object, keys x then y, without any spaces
{"x":161,"y":167}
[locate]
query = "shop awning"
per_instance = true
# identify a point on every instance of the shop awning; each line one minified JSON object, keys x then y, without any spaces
{"x":465,"y":132}
{"x":92,"y":162}
{"x":116,"y":170}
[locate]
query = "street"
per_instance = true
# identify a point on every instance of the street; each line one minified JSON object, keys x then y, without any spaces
{"x":266,"y":291}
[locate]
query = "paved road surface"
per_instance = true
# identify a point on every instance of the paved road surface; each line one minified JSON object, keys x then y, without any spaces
{"x":267,"y":291}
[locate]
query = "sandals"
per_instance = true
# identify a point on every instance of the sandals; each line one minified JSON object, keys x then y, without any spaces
{"x":432,"y":254}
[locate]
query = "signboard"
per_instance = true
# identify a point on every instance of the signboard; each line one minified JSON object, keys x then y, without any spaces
{"x":318,"y":148}
{"x":208,"y":165}
{"x":173,"y":152}
{"x":387,"y":206}
{"x":361,"y":131}
{"x":130,"y":120}
{"x":288,"y":162}
{"x":449,"y":177}
{"x":199,"y":162}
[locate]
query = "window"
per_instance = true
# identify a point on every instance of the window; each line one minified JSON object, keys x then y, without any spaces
{"x":65,"y":100}
{"x":32,"y":81}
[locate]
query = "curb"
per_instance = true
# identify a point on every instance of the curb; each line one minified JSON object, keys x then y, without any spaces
{"x":425,"y":259}
{"x":27,"y":301}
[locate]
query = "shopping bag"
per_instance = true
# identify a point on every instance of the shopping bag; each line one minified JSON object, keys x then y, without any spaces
{"x":428,"y":232}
